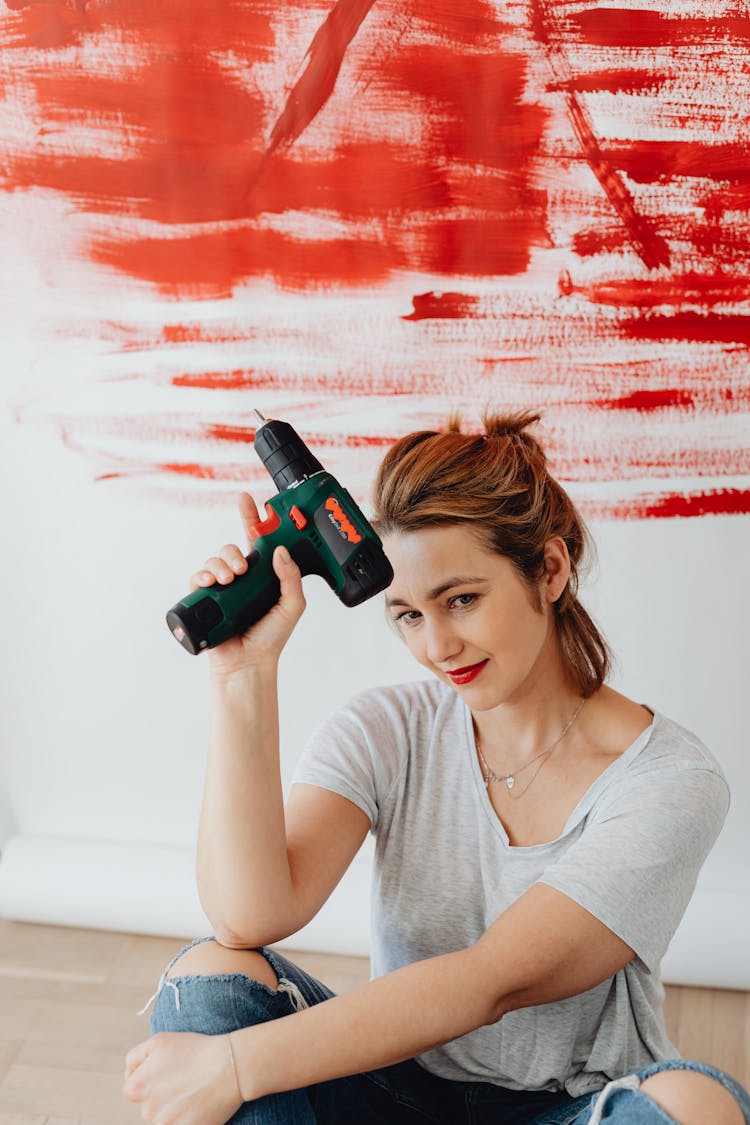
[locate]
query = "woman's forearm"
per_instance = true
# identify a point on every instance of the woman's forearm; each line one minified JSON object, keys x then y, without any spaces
{"x":386,"y":1021}
{"x":243,"y":871}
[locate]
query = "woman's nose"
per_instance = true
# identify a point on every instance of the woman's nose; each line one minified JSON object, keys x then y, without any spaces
{"x":442,"y":644}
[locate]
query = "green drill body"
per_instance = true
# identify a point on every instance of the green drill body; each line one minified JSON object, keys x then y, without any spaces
{"x":325,"y":533}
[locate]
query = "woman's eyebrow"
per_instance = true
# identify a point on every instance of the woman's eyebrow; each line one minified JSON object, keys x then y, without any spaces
{"x":458,"y":580}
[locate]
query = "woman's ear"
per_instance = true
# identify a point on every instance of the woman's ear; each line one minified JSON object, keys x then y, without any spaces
{"x":556,"y":569}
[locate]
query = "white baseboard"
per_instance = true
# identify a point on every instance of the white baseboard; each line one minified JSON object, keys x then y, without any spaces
{"x":150,"y":889}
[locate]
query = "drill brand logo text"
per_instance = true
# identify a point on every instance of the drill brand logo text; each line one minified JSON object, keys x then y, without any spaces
{"x":341,"y":521}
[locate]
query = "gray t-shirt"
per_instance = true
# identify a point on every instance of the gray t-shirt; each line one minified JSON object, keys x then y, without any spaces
{"x":444,"y":871}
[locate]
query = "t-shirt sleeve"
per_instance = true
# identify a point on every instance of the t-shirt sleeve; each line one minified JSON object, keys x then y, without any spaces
{"x":635,"y":865}
{"x":359,"y":752}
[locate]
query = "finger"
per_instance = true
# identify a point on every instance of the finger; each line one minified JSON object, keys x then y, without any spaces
{"x":131,"y":1088}
{"x":234,"y":558}
{"x":136,"y":1055}
{"x":201,"y":578}
{"x":218,"y":570}
{"x":221,"y":567}
{"x":249,"y":515}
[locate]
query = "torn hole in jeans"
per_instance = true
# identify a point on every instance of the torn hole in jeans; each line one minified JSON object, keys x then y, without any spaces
{"x":288,"y":986}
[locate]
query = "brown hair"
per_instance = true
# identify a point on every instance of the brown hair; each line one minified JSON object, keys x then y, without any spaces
{"x":499,"y":483}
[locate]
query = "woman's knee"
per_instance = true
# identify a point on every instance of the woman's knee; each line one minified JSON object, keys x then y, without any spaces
{"x":693,"y":1098}
{"x":212,"y":989}
{"x":209,"y":958}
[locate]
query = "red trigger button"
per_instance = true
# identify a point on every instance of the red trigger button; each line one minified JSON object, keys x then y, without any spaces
{"x":269,"y":524}
{"x":297,"y":517}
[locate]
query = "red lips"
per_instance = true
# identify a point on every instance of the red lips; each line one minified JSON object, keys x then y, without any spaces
{"x":467,"y":674}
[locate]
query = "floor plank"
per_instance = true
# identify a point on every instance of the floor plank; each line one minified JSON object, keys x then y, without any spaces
{"x":712,"y":1025}
{"x":68,"y":1015}
{"x":26,"y":1119}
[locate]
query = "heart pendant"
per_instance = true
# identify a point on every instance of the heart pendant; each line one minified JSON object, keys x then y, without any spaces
{"x":510,"y":782}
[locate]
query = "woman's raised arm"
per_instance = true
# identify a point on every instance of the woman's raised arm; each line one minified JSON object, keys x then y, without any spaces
{"x":252,"y":886}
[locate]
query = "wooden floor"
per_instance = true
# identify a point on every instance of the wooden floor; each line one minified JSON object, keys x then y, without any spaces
{"x":68,"y":1000}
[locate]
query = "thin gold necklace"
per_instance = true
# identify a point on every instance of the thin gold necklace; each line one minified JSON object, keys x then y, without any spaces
{"x":510,"y":778}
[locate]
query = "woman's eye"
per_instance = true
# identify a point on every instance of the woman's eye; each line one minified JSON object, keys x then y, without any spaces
{"x":462,"y":600}
{"x":408,"y":617}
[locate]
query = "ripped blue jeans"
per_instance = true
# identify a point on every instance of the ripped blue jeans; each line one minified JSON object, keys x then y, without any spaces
{"x":405,"y":1094}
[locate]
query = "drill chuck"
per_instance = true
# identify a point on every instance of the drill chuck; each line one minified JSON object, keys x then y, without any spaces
{"x":284,"y":455}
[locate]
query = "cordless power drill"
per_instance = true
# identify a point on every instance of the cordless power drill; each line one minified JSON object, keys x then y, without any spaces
{"x":315,"y":519}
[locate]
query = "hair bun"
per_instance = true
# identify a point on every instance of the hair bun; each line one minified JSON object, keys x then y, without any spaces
{"x":509,"y":425}
{"x":497,"y":425}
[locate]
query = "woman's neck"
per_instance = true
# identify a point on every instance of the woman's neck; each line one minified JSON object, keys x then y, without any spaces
{"x":526,"y":723}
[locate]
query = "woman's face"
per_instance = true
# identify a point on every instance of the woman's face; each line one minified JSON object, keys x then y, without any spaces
{"x":467,"y":615}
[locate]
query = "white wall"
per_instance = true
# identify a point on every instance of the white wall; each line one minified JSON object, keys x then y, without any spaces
{"x":104,"y":716}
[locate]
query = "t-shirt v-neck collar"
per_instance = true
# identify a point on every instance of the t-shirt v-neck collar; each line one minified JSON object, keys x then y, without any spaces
{"x":582,"y":807}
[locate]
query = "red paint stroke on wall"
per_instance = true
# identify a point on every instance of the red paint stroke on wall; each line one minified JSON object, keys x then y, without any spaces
{"x":442,"y":306}
{"x":715,"y":398}
{"x":45,"y":25}
{"x":228,"y":432}
{"x":211,"y":265}
{"x":196,"y":333}
{"x":616,"y":81}
{"x":642,"y":234}
{"x":170,"y":26}
{"x":163,"y":428}
{"x":642,"y":27}
{"x":706,"y":290}
{"x":325,"y":57}
{"x":212,"y":108}
{"x":605,"y":238}
{"x":696,"y":328}
{"x":213,"y":191}
{"x":673,"y":505}
{"x":649,"y":162}
{"x":346,"y":383}
{"x":719,"y":243}
{"x":642,"y":386}
{"x":729,"y":197}
{"x":665,"y":398}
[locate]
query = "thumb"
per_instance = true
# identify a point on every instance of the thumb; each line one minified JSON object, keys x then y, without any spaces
{"x":290,"y":579}
{"x":249,"y":515}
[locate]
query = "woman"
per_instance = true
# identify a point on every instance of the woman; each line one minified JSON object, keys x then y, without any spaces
{"x":538,"y":837}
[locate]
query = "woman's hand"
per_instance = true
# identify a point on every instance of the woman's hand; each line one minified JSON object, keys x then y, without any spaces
{"x":181,"y":1078}
{"x":262,"y":642}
